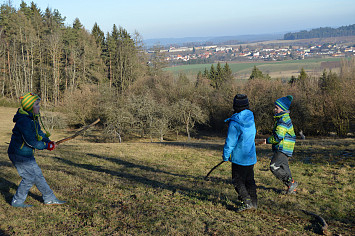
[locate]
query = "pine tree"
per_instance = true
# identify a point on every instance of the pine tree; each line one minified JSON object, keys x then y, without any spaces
{"x":256,"y":74}
{"x":212,"y":76}
{"x":302,"y":76}
{"x":219,"y":76}
{"x":228,"y":74}
{"x":206,"y":73}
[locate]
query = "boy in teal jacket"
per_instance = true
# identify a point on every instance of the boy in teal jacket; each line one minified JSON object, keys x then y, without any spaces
{"x":239,"y":148}
{"x":26,"y":137}
{"x":283,"y":142}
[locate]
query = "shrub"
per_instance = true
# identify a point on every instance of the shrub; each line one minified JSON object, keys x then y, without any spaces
{"x":81,"y":105}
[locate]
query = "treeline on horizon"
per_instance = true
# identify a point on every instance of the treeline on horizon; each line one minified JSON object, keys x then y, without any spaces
{"x":322,"y":32}
{"x":89,"y":74}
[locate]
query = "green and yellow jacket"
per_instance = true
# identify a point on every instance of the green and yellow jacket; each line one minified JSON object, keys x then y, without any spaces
{"x":284,"y":137}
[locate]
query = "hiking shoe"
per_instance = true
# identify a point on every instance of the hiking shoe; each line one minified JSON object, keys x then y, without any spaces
{"x":55,"y":202}
{"x":292,"y":187}
{"x":246,"y":206}
{"x":21,"y":205}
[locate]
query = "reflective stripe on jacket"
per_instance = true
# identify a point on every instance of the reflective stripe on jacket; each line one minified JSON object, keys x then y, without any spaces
{"x":284,"y":137}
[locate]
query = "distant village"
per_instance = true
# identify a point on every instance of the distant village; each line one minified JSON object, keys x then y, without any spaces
{"x":191,"y":55}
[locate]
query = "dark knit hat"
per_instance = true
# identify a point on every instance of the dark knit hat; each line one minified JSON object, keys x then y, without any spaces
{"x":285,"y":102}
{"x":240,"y":102}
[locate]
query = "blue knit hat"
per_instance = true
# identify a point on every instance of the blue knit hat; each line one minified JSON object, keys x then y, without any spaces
{"x":285,"y":102}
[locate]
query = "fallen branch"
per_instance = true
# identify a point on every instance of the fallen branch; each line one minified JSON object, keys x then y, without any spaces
{"x":321,"y":220}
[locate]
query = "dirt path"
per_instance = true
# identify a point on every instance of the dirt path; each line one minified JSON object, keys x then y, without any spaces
{"x":6,"y":124}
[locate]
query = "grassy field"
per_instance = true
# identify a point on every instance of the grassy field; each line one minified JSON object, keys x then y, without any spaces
{"x":144,"y":188}
{"x":278,"y":69}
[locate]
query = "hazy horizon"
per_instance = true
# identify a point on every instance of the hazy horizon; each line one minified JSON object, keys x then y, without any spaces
{"x":202,"y":18}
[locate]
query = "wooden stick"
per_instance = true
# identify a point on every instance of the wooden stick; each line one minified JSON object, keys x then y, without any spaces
{"x":257,"y":143}
{"x":77,"y":133}
{"x":213,"y":169}
{"x":324,"y":224}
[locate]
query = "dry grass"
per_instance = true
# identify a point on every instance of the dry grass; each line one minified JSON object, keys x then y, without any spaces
{"x":145,"y":188}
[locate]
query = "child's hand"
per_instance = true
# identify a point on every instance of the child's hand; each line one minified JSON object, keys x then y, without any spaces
{"x":51,"y":146}
{"x":261,"y":142}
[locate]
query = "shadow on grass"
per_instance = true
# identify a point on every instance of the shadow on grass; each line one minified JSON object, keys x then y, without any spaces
{"x":278,"y":191}
{"x":142,"y":167}
{"x":194,"y":192}
{"x":208,"y":146}
{"x":150,"y":169}
{"x":3,"y":233}
{"x":201,"y":194}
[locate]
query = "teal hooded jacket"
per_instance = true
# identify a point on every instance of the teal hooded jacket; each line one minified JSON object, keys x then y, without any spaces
{"x":24,"y":139}
{"x":239,"y":146}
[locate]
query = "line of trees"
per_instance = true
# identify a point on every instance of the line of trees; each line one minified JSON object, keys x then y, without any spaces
{"x":216,"y":76}
{"x":39,"y":53}
{"x":322,"y":32}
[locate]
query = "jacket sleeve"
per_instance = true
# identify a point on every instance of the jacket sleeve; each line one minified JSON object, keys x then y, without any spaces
{"x":231,"y":141}
{"x":28,"y":133}
{"x":278,"y":134}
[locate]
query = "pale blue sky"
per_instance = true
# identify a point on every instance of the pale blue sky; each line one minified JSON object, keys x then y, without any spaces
{"x":203,"y":18}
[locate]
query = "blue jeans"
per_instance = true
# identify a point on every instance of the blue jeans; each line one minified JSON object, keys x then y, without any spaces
{"x":31,"y":174}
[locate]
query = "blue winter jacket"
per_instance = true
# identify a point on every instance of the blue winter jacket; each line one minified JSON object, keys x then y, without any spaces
{"x":239,"y":147}
{"x":24,"y":136}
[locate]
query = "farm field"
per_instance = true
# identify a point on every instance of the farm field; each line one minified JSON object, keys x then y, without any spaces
{"x":153,"y":188}
{"x":278,"y":69}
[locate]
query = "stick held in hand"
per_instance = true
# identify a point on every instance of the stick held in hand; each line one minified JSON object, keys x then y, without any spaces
{"x":213,"y":169}
{"x":257,"y":143}
{"x":77,"y":133}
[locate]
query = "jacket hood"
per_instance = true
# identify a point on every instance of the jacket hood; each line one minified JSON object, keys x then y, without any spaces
{"x":21,"y":114}
{"x":244,"y":118}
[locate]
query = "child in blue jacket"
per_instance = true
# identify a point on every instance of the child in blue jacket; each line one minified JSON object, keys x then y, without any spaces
{"x":239,"y":148}
{"x":26,"y":137}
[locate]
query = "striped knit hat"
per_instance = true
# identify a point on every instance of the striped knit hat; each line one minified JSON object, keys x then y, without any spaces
{"x":285,"y":102}
{"x":28,"y":100}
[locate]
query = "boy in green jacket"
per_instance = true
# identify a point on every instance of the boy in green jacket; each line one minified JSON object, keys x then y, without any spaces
{"x":283,"y":142}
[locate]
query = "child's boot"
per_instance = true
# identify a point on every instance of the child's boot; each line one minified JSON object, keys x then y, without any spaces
{"x":291,"y":186}
{"x":246,"y":205}
{"x":55,"y":201}
{"x":15,"y":203}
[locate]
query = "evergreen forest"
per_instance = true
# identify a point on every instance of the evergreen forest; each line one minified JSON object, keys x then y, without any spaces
{"x":85,"y":74}
{"x":322,"y":32}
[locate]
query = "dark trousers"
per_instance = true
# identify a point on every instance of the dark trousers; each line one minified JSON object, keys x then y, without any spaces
{"x":244,"y":183}
{"x":280,"y":168}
